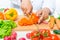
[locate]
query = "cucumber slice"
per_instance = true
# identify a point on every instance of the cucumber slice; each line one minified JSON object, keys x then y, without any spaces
{"x":56,"y":32}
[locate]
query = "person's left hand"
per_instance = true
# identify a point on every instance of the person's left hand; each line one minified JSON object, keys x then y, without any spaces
{"x":43,"y":14}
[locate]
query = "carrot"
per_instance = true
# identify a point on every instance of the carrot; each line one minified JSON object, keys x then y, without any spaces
{"x":32,"y":19}
{"x":51,"y":22}
{"x":58,"y":23}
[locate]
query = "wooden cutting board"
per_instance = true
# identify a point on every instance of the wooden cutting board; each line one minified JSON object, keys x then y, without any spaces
{"x":32,"y":27}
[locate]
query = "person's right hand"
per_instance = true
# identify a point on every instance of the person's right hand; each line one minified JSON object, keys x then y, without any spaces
{"x":26,"y":6}
{"x":43,"y":14}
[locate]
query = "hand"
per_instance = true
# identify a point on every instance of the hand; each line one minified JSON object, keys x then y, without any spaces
{"x":43,"y":14}
{"x":26,"y":6}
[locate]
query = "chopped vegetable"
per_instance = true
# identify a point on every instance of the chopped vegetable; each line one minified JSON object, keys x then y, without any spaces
{"x":6,"y":27}
{"x":56,"y":32}
{"x":1,"y":16}
{"x":47,"y":38}
{"x":51,"y":22}
{"x":36,"y":38}
{"x":32,"y":19}
{"x":43,"y":34}
{"x":58,"y":23}
{"x":54,"y":37}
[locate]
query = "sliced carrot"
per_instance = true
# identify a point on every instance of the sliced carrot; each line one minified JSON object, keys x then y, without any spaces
{"x":31,"y":19}
{"x":23,"y":21}
{"x":51,"y":22}
{"x":34,"y":18}
{"x":58,"y":23}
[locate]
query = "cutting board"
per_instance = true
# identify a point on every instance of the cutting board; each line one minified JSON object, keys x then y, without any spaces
{"x":32,"y":27}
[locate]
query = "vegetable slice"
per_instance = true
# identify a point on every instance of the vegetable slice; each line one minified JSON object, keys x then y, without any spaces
{"x":58,"y":23}
{"x":56,"y":32}
{"x":51,"y":22}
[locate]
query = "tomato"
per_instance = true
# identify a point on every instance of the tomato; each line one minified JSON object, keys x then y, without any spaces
{"x":54,"y":37}
{"x":41,"y":37}
{"x":1,"y":16}
{"x":34,"y":34}
{"x":36,"y":38}
{"x":45,"y":32}
{"x":47,"y":38}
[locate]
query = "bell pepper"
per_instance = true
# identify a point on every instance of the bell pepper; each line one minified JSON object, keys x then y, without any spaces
{"x":11,"y":14}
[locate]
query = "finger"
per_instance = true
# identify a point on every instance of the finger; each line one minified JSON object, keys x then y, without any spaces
{"x":41,"y":18}
{"x":39,"y":12}
{"x":23,"y":9}
{"x":29,"y":11}
{"x":45,"y":14}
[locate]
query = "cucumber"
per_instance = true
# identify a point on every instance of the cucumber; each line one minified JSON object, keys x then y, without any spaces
{"x":56,"y":32}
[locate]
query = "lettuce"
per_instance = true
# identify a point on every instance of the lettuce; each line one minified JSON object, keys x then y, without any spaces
{"x":6,"y":27}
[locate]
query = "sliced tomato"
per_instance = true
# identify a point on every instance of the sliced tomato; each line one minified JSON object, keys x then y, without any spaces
{"x":54,"y":37}
{"x":36,"y":38}
{"x":47,"y":38}
{"x":41,"y":37}
{"x":34,"y":34}
{"x":45,"y":32}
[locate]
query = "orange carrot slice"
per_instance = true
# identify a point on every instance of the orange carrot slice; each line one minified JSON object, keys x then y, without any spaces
{"x":58,"y":23}
{"x":51,"y":22}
